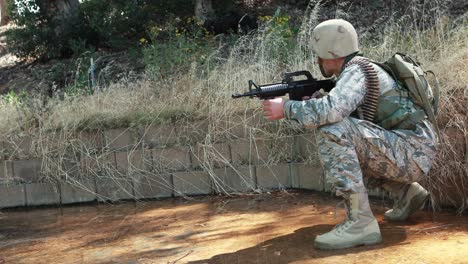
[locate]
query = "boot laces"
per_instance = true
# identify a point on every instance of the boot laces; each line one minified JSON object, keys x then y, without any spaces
{"x":339,"y":228}
{"x":400,"y":201}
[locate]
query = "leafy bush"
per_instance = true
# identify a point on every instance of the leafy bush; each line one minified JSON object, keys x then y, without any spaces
{"x":34,"y":36}
{"x":116,"y":27}
{"x":176,"y":46}
{"x":44,"y":33}
{"x":279,"y":35}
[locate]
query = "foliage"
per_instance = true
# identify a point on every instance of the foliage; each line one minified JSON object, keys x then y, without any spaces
{"x":31,"y":38}
{"x":42,"y":32}
{"x":176,"y":46}
{"x":83,"y":79}
{"x":14,"y":98}
{"x":279,"y":35}
{"x":113,"y":24}
{"x":184,"y":45}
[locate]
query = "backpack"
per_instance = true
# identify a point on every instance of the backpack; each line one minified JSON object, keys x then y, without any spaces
{"x":412,"y":77}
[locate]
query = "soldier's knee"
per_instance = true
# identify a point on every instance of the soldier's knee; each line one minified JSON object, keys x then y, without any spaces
{"x":334,"y":132}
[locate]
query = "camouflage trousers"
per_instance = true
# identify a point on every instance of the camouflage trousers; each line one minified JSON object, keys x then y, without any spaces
{"x":353,"y":149}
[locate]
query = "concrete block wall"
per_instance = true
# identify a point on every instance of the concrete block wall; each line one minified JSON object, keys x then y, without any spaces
{"x":78,"y":191}
{"x":160,"y":161}
{"x":175,"y":184}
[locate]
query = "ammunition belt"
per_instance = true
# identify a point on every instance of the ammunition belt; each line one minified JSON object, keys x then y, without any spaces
{"x":369,"y":107}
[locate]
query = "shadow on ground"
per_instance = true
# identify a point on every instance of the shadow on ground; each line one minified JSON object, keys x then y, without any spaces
{"x":299,"y":246}
{"x":276,"y":228}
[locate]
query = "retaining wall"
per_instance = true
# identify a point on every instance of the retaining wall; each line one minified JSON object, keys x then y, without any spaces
{"x":154,"y":162}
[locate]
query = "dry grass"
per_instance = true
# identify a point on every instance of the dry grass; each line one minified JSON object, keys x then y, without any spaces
{"x":186,"y":97}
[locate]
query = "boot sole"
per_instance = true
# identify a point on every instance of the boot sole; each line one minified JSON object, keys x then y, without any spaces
{"x":415,"y":204}
{"x":370,"y":239}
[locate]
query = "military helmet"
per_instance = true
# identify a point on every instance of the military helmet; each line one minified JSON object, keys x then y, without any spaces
{"x":334,"y":38}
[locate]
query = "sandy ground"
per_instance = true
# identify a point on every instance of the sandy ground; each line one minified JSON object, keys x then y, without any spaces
{"x":270,"y":228}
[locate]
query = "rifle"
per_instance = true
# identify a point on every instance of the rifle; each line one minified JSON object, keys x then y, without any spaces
{"x":295,"y":89}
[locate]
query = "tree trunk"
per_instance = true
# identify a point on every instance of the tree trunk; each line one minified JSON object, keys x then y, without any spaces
{"x":62,"y":10}
{"x":65,"y":8}
{"x":204,"y":10}
{"x":4,"y":19}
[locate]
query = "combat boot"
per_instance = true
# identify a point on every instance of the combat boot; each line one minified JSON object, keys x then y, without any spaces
{"x":359,"y":228}
{"x":408,"y":198}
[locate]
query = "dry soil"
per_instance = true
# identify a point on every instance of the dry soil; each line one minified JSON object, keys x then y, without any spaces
{"x":269,"y":228}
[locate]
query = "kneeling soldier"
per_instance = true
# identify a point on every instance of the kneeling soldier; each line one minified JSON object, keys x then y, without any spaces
{"x":366,"y":124}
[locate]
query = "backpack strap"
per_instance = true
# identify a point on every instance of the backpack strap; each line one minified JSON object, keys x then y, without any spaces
{"x":427,"y":106}
{"x":389,"y":70}
{"x":436,"y":93}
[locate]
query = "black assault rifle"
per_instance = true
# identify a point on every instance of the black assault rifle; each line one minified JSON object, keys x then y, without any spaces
{"x":295,"y":89}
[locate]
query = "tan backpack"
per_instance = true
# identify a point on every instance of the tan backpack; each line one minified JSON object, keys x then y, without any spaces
{"x":410,"y":75}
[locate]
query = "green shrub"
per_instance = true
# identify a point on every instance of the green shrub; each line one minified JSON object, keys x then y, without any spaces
{"x":42,"y":33}
{"x":176,"y":47}
{"x":34,"y":37}
{"x":115,"y":24}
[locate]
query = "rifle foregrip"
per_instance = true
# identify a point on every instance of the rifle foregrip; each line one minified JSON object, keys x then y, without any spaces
{"x":272,"y":88}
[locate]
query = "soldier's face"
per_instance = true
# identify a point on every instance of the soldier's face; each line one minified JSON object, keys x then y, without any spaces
{"x":324,"y":68}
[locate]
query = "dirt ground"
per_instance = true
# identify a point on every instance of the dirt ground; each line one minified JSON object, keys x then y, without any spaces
{"x":269,"y":228}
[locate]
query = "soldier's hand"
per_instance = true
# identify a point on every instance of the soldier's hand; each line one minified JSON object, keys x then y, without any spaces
{"x":317,"y":94}
{"x":273,"y":108}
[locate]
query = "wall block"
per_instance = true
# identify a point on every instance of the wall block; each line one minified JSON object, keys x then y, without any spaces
{"x":42,"y":194}
{"x":114,"y":188}
{"x":307,"y":176}
{"x":79,"y":191}
{"x":241,"y":179}
{"x":327,"y":186}
{"x":193,"y":132}
{"x":18,"y":148}
{"x":135,"y":160}
{"x":71,"y":168}
{"x":27,"y":170}
{"x":281,"y":149}
{"x":9,"y":174}
{"x":147,"y":186}
{"x":121,"y":139}
{"x":95,"y":164}
{"x":241,"y":151}
{"x":12,"y":195}
{"x":237,"y":126}
{"x":91,"y":140}
{"x":171,"y":159}
{"x":4,"y":172}
{"x":3,"y":149}
{"x":158,"y":135}
{"x":273,"y":177}
{"x":249,"y":152}
{"x":192,"y":183}
{"x":305,"y":147}
{"x":217,"y":155}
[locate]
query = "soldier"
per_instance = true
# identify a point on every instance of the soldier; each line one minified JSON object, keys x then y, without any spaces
{"x":392,"y":142}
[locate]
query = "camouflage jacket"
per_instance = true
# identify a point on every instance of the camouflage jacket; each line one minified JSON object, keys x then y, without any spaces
{"x":395,"y":110}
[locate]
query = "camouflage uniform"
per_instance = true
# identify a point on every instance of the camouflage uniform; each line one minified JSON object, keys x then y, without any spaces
{"x":399,"y":146}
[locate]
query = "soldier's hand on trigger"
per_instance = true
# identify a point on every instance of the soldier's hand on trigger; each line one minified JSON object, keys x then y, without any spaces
{"x":315,"y":95}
